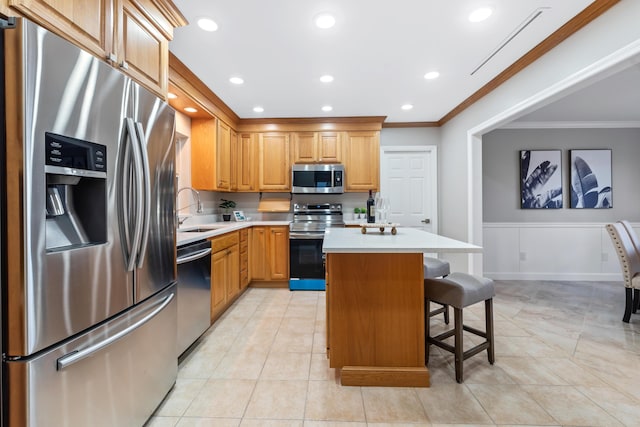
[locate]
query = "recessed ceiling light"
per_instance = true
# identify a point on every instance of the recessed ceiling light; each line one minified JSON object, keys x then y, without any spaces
{"x":236,"y":80}
{"x":190,"y":110}
{"x":327,"y":108}
{"x":481,"y":14}
{"x":326,"y":78}
{"x":325,"y":20}
{"x":171,"y":95}
{"x":207,"y":24}
{"x":432,"y":75}
{"x":258,"y":109}
{"x":407,"y":107}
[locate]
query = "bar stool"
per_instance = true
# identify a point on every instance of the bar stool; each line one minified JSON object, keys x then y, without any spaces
{"x":434,"y":267}
{"x":460,"y":290}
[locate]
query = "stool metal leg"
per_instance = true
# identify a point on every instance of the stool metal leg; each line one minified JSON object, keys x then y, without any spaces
{"x":459,"y":356}
{"x":488,"y":316}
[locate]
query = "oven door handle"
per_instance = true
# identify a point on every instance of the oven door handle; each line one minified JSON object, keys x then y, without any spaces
{"x":305,"y":236}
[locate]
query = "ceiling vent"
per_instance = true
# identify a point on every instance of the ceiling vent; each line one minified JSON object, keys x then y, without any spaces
{"x":528,"y":20}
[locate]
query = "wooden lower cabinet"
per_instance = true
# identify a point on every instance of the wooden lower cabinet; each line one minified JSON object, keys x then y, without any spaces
{"x":225,"y":272}
{"x":269,"y":253}
{"x":244,"y":258}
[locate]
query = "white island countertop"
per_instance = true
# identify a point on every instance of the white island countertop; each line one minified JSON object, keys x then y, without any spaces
{"x":407,"y":240}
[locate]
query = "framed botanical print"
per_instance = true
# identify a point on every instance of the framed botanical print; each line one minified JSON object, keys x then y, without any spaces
{"x":591,"y":179}
{"x":540,"y":179}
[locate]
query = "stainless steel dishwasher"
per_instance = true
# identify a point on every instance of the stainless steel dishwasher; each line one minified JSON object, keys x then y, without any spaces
{"x":194,"y":292}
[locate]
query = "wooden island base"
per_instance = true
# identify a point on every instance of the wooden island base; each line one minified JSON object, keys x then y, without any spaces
{"x":375,"y":318}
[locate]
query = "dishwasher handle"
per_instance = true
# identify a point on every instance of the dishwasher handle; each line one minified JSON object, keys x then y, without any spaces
{"x":194,"y":256}
{"x":76,"y":356}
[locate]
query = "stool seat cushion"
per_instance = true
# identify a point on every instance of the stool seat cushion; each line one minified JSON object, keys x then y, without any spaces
{"x":459,"y":289}
{"x":434,"y":267}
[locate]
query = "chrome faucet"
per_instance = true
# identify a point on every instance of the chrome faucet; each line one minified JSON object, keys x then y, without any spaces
{"x":197,"y":198}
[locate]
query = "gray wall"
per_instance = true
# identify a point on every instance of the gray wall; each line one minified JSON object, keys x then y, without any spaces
{"x":410,"y":136}
{"x":501,"y":173}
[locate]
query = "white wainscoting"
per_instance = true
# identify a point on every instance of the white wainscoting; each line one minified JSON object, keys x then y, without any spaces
{"x":549,"y":251}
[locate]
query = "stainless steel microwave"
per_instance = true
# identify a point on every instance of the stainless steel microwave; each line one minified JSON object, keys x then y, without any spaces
{"x":317,"y":178}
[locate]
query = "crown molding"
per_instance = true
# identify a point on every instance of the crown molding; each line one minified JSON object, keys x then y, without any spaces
{"x":573,"y":125}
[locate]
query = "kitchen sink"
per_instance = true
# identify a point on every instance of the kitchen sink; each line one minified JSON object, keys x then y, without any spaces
{"x":202,"y":229}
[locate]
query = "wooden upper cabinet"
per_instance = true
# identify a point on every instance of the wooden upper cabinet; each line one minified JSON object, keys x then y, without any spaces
{"x":87,"y":23}
{"x":203,"y":154}
{"x":305,"y":147}
{"x":211,"y":148}
{"x":329,"y":147}
{"x":316,"y":147}
{"x":362,"y":160}
{"x":246,"y":162}
{"x":132,"y":35}
{"x":223,"y":157}
{"x":233,"y":183}
{"x":142,"y":50}
{"x":274,"y":162}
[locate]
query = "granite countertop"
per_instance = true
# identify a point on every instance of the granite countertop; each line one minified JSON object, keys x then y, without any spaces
{"x":407,"y":240}
{"x":213,"y":229}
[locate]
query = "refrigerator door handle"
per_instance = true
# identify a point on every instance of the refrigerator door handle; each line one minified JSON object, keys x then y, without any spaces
{"x":146,"y":178}
{"x":139,"y":191}
{"x":76,"y":356}
{"x":124,"y":196}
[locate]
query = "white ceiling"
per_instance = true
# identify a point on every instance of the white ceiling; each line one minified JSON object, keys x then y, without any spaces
{"x":378,"y":53}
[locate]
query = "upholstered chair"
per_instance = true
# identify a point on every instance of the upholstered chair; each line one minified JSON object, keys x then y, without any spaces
{"x":630,"y":263}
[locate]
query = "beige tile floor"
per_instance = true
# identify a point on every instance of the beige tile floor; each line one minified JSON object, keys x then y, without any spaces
{"x":563,"y":358}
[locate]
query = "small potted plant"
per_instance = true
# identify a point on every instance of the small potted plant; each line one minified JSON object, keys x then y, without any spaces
{"x":356,"y":213}
{"x":227,"y":205}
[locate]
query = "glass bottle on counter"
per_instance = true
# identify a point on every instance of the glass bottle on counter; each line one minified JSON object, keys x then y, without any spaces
{"x":371,"y":208}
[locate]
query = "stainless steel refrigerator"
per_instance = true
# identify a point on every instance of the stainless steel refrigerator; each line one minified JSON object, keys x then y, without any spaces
{"x":89,"y":300}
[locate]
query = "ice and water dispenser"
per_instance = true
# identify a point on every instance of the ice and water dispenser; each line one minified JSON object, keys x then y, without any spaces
{"x":76,"y":194}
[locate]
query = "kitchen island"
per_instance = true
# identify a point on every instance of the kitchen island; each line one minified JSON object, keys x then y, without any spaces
{"x":375,"y":304}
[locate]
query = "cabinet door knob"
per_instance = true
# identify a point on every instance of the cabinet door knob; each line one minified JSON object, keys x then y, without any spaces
{"x":124,"y":65}
{"x":111,"y":57}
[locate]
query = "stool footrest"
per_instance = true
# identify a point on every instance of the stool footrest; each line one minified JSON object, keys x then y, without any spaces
{"x":475,"y":331}
{"x":444,"y":335}
{"x":442,"y":345}
{"x":475,"y":350}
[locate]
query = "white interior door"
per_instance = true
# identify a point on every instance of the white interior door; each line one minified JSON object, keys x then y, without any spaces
{"x":409,"y":181}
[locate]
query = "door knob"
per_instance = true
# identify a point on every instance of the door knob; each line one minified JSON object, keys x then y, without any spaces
{"x":426,"y":221}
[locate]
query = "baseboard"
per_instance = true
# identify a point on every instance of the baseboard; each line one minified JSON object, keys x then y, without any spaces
{"x":269,"y":284}
{"x":595,"y":277}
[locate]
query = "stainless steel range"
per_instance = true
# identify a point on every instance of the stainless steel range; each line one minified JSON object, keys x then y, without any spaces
{"x":306,"y":234}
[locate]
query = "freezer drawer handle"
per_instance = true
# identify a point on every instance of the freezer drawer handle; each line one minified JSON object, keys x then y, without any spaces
{"x":197,"y":255}
{"x":76,"y":356}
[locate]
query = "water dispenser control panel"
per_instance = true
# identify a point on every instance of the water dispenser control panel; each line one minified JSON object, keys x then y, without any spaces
{"x":66,"y":152}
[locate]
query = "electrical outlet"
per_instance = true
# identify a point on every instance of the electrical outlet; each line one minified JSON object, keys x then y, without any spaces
{"x":523,"y":256}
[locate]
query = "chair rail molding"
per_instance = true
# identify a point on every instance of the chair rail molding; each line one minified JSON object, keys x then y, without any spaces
{"x":550,"y":251}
